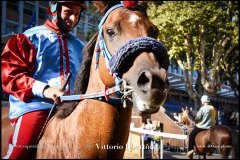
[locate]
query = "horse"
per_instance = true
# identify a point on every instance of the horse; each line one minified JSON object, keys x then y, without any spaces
{"x":124,"y":56}
{"x":220,"y":138}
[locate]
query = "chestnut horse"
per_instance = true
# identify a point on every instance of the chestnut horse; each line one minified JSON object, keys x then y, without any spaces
{"x":220,"y":138}
{"x":136,"y":63}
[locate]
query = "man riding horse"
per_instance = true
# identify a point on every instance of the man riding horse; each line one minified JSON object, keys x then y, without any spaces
{"x":205,"y":119}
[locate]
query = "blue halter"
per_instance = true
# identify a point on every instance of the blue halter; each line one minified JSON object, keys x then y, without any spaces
{"x":101,"y":45}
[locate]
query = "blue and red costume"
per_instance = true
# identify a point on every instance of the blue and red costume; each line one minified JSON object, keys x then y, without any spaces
{"x":41,"y":56}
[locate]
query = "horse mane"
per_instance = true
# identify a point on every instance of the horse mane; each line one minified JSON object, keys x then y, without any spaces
{"x":82,"y":78}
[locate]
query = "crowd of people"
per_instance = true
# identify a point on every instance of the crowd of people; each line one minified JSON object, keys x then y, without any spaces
{"x":227,"y":116}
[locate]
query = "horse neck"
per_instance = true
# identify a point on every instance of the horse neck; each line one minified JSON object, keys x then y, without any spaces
{"x":110,"y":114}
{"x":96,"y":78}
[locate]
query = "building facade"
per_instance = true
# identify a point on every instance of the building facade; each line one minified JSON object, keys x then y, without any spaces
{"x":17,"y":16}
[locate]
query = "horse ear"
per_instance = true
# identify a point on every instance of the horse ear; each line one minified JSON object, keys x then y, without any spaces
{"x":100,"y":5}
{"x":143,"y":4}
{"x":182,"y":109}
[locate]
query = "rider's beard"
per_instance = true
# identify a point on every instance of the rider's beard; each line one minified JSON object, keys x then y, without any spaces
{"x":64,"y":26}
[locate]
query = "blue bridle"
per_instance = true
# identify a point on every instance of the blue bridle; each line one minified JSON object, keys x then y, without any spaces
{"x":104,"y":95}
{"x":101,"y":45}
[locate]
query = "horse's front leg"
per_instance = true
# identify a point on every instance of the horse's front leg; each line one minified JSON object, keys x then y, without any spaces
{"x":191,"y":156}
{"x":223,"y":156}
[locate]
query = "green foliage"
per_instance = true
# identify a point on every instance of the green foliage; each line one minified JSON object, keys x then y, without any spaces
{"x":178,"y":19}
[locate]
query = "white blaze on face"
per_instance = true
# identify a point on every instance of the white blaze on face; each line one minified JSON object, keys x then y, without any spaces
{"x":134,"y":18}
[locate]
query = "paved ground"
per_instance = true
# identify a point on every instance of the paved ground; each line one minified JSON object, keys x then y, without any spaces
{"x":167,"y":155}
{"x":6,"y":128}
{"x":131,"y":155}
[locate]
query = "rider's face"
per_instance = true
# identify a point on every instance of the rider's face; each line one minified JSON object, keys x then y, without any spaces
{"x":68,"y":16}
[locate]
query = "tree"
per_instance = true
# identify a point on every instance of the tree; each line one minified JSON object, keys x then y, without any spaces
{"x":201,"y":36}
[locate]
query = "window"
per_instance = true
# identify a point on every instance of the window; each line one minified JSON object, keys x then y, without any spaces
{"x":28,"y":9}
{"x":80,"y":27}
{"x":12,"y":5}
{"x":11,"y":28}
{"x":42,"y":13}
{"x":90,"y":32}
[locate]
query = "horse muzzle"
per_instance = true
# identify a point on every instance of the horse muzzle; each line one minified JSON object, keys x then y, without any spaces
{"x":149,"y":93}
{"x":142,"y":62}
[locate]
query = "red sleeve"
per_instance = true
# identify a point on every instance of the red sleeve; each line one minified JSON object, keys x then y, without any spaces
{"x":18,"y":59}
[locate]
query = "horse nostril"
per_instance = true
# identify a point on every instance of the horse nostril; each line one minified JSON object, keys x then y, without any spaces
{"x":144,"y":80}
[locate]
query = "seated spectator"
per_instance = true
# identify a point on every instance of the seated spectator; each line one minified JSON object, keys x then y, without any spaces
{"x":233,"y":120}
{"x":148,"y":126}
{"x":155,"y":141}
{"x":147,"y":137}
{"x":176,"y":117}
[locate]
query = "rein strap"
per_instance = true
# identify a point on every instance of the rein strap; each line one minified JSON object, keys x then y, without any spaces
{"x":95,"y":95}
{"x":104,"y":95}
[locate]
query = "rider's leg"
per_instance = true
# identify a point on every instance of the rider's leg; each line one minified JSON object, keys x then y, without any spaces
{"x":26,"y":131}
{"x":191,"y":141}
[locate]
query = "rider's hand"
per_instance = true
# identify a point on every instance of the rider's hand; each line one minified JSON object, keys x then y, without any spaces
{"x":53,"y":93}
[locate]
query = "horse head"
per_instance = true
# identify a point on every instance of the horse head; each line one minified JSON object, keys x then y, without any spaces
{"x":136,"y":57}
{"x":186,"y":119}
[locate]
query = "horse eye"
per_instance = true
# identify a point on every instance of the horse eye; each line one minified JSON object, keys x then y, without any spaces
{"x":110,"y":32}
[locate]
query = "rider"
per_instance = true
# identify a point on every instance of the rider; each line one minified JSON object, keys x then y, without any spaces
{"x":205,"y":119}
{"x":34,"y":67}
